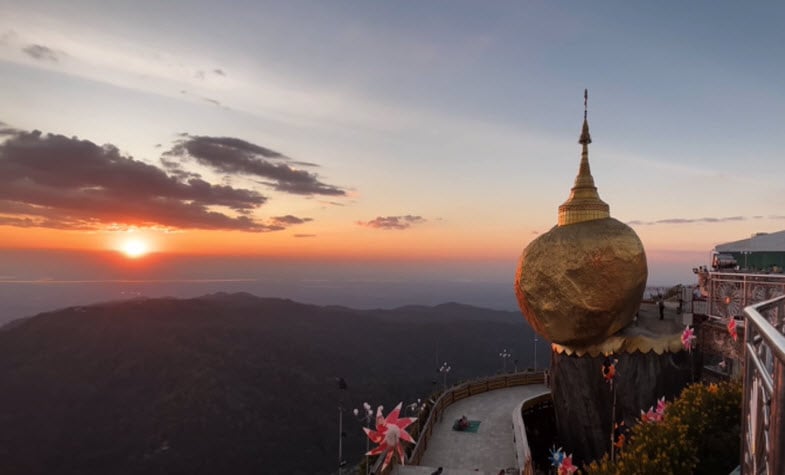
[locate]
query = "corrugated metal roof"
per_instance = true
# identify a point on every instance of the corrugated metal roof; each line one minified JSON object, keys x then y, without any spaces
{"x":772,"y":242}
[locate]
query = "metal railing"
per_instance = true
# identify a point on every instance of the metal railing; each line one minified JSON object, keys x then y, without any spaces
{"x":731,"y":292}
{"x":763,"y":408}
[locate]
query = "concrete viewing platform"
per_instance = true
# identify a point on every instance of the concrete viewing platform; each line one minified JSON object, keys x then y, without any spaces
{"x":487,"y":451}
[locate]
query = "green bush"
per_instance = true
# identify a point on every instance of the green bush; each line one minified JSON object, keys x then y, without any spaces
{"x":698,"y":435}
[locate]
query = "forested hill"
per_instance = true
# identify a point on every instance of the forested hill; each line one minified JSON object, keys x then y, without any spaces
{"x":225,"y":383}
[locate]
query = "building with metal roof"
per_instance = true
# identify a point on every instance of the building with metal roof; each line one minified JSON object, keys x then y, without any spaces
{"x":760,"y":252}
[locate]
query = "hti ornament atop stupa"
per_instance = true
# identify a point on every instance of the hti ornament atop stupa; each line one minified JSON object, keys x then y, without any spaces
{"x":583,"y":280}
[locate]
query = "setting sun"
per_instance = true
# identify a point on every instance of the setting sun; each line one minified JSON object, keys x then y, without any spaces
{"x":134,"y":248}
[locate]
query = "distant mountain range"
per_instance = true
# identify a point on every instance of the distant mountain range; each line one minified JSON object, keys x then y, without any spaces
{"x":226,"y":383}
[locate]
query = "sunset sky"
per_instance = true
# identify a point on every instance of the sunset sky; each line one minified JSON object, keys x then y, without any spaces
{"x":399,"y":130}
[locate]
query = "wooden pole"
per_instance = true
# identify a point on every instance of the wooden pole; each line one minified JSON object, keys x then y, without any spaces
{"x":613,"y":417}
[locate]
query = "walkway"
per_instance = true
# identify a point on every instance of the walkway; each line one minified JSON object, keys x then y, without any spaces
{"x":487,"y":451}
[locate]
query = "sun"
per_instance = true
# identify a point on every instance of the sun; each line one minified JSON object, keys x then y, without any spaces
{"x":134,"y":248}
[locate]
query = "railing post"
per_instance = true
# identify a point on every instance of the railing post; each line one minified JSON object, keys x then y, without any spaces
{"x":777,"y":425}
{"x":763,"y":432}
{"x":748,"y":368}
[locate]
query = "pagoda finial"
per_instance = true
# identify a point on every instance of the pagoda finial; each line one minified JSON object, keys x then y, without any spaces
{"x":585,"y":137}
{"x":584,"y":203}
{"x":585,"y":103}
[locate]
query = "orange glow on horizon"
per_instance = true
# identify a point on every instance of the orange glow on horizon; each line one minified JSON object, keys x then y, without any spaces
{"x":351,"y":243}
{"x":344,"y":243}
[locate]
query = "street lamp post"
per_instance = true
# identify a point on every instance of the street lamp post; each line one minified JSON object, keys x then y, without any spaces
{"x":535,"y":352}
{"x":342,"y":386}
{"x":504,"y":355}
{"x":340,"y":440}
{"x":415,"y":407}
{"x":444,"y":370}
{"x":366,"y":420}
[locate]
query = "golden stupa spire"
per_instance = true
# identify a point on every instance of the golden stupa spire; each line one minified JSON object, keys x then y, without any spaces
{"x":584,"y":203}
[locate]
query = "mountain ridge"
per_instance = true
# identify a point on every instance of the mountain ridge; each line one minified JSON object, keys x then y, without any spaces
{"x":224,"y":382}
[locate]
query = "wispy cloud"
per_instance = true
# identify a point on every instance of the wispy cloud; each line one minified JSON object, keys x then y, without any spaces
{"x":209,"y":100}
{"x":128,"y":63}
{"x":304,"y":235}
{"x":289,"y":220}
{"x":691,"y":220}
{"x":393,"y":222}
{"x":202,"y":75}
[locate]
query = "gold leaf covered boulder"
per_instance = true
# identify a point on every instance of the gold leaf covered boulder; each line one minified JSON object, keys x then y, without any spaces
{"x":581,"y":283}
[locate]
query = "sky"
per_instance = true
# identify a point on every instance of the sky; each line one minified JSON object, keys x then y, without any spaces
{"x":427,"y":135}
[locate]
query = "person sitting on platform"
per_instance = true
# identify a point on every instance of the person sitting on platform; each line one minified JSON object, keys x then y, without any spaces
{"x":461,"y":424}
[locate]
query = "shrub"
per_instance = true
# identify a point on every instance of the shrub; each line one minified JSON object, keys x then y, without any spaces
{"x":698,"y":435}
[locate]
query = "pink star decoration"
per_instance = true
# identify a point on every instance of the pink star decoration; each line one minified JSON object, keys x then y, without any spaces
{"x":390,"y":434}
{"x":687,"y":338}
{"x":566,"y":467}
{"x":655,"y":415}
{"x":732,"y":329}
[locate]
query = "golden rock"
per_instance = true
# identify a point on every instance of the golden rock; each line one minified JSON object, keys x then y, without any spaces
{"x":580,"y":283}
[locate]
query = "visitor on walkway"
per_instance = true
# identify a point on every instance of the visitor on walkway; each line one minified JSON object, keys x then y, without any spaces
{"x":462,"y":423}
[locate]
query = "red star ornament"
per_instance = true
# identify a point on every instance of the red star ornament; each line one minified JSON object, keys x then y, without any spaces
{"x":390,"y":434}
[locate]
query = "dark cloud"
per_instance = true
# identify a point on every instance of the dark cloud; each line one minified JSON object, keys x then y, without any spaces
{"x":289,"y":220}
{"x":42,"y":53}
{"x":219,"y":72}
{"x":224,"y":153}
{"x":687,"y":220}
{"x":238,"y":157}
{"x":176,"y":170}
{"x":304,"y":235}
{"x":4,"y":130}
{"x":60,"y":182}
{"x":393,"y":222}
